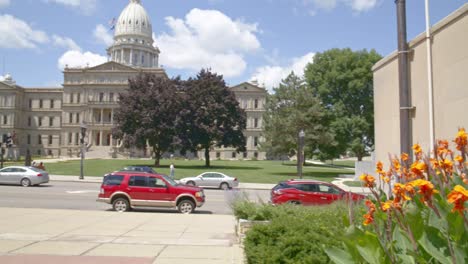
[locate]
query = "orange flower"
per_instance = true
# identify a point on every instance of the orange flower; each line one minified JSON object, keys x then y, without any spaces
{"x":368,"y":180}
{"x":446,"y":165}
{"x":387,"y":205}
{"x":369,"y":217}
{"x":404,"y":156}
{"x":442,"y":149}
{"x":417,"y":149}
{"x":462,"y":139}
{"x":379,"y":168}
{"x":426,"y":189}
{"x":396,"y":165}
{"x":400,"y":192}
{"x":458,"y":196}
{"x":418,"y":169}
{"x":459,"y":159}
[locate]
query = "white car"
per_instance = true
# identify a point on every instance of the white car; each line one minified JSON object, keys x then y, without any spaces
{"x":23,"y":175}
{"x":211,"y":179}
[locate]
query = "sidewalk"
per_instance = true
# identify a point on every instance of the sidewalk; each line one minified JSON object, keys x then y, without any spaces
{"x":45,"y":236}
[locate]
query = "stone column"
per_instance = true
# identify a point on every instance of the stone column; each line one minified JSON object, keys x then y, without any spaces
{"x":102,"y":116}
{"x":100,"y":138}
{"x":131,"y":56}
{"x":112,"y":116}
{"x":121,"y":56}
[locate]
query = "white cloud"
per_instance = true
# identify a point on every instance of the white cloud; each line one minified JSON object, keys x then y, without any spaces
{"x":102,"y":35}
{"x":15,"y":33}
{"x":4,"y":3}
{"x":65,"y":42}
{"x":207,"y":39}
{"x":362,"y":5}
{"x":77,"y":59}
{"x":85,"y":6}
{"x":271,"y":76}
{"x":325,"y":4}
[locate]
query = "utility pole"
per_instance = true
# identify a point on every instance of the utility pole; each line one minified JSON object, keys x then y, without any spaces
{"x":404,"y":90}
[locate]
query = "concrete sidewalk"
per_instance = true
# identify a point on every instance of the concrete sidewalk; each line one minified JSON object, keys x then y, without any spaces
{"x":43,"y":236}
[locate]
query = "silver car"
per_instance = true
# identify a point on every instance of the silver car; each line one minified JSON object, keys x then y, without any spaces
{"x":22,"y":175}
{"x":211,"y":179}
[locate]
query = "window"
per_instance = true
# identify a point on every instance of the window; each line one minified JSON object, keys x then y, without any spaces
{"x":245,"y":155}
{"x":30,"y":103}
{"x":255,"y":141}
{"x":5,"y":120}
{"x":70,"y":135}
{"x":39,"y":139}
{"x":156,"y":182}
{"x":218,"y":155}
{"x":256,"y":155}
{"x":49,"y":152}
{"x":40,"y":121}
{"x":256,"y":122}
{"x":29,"y":121}
{"x":138,"y":181}
{"x":51,"y":121}
{"x":39,"y":153}
{"x":142,"y":59}
{"x":41,"y":103}
{"x":71,"y":98}
{"x":256,"y":103}
{"x":101,"y":97}
{"x":77,"y":137}
{"x":78,"y":98}
{"x":328,"y":189}
{"x":111,"y":97}
{"x":29,"y":139}
{"x":70,"y":118}
{"x":77,"y":118}
{"x":50,"y":139}
{"x":233,"y":155}
{"x":113,"y":180}
{"x":52,"y":104}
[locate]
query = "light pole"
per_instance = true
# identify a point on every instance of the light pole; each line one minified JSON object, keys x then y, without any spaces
{"x":83,"y":128}
{"x":300,"y":155}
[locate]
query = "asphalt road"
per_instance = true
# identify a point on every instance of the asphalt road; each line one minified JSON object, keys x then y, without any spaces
{"x":82,"y":196}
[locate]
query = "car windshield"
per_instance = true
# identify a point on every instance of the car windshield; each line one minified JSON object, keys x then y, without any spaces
{"x":169,"y":180}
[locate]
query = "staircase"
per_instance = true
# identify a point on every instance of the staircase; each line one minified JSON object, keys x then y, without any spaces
{"x":99,"y":152}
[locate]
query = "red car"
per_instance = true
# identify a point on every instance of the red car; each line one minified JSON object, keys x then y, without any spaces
{"x":309,"y":192}
{"x":129,"y":189}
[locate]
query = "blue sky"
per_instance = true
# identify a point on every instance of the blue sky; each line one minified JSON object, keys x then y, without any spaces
{"x":241,"y":39}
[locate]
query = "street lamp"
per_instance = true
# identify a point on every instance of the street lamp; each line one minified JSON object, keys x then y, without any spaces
{"x":300,"y":154}
{"x":83,"y":128}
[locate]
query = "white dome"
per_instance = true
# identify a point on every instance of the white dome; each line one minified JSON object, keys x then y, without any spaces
{"x":134,"y":21}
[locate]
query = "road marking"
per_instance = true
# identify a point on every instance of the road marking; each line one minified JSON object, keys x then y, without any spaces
{"x":83,"y":191}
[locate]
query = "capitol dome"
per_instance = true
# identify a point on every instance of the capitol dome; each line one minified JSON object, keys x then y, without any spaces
{"x":134,"y":21}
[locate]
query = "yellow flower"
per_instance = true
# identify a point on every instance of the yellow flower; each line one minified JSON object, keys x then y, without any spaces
{"x":368,"y":180}
{"x":379,"y":168}
{"x":396,"y":165}
{"x":418,"y":169}
{"x":459,"y":159}
{"x":404,"y":156}
{"x":417,"y":149}
{"x":387,"y":205}
{"x":426,"y":188}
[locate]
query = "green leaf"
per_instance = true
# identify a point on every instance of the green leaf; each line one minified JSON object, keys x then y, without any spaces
{"x":371,"y":249}
{"x":426,"y":241}
{"x":339,"y":256}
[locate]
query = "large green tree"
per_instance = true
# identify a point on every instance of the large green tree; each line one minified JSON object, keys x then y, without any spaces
{"x":147,"y":113}
{"x":343,"y":81}
{"x":292,"y":108}
{"x":210,"y":116}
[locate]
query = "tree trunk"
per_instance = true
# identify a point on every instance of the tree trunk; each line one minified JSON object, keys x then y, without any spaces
{"x":157,"y":156}
{"x":359,"y":157}
{"x":207,"y":157}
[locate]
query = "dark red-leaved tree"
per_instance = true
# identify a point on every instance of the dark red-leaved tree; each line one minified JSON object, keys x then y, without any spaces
{"x":147,"y":113}
{"x":210,"y":116}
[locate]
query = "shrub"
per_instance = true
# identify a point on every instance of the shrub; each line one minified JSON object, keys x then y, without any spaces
{"x":424,"y":220}
{"x":296,"y":234}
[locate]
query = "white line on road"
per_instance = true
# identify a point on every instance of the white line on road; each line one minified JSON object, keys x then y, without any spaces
{"x":83,"y":191}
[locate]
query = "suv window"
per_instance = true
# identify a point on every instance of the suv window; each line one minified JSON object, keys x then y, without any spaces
{"x":306,"y":187}
{"x":328,"y":189}
{"x":113,"y":180}
{"x":138,"y":181}
{"x":156,"y":182}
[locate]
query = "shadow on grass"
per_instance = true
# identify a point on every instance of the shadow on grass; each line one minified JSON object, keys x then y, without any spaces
{"x":321,"y":166}
{"x":203,"y":167}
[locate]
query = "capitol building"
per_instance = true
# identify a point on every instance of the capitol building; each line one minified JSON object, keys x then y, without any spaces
{"x":46,"y":121}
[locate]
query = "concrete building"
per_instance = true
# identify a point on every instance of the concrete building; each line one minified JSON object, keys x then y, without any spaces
{"x":46,"y":121}
{"x":449,"y":48}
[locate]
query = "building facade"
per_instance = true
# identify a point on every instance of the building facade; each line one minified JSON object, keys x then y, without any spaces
{"x":46,"y":121}
{"x":449,"y":48}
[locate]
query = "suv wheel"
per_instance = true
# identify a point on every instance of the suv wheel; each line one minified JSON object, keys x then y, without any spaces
{"x":224,"y":186}
{"x":186,"y":207}
{"x":121,"y":205}
{"x":192,"y":183}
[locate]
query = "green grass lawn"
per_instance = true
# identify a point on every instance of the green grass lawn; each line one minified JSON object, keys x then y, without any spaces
{"x":245,"y":171}
{"x":353,"y":183}
{"x":342,"y":163}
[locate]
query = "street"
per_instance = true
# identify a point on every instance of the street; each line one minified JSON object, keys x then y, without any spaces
{"x":82,"y":196}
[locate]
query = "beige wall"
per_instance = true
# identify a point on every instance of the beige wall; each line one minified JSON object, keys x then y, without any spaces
{"x":450,"y":84}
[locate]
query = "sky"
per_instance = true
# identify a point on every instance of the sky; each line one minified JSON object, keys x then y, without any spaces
{"x":243,"y":40}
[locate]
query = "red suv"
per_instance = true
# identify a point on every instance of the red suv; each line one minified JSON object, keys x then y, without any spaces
{"x":309,"y":192}
{"x":127,"y":189}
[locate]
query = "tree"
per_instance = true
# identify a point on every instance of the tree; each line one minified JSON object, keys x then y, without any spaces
{"x":343,"y":81}
{"x":147,"y":113}
{"x":292,"y":108}
{"x":210,"y":116}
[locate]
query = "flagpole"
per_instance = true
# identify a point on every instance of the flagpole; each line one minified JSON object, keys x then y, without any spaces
{"x":430,"y":79}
